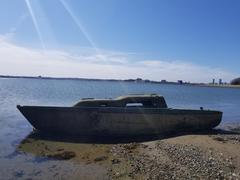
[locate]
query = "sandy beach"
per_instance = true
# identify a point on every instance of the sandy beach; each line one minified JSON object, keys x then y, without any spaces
{"x":211,"y":155}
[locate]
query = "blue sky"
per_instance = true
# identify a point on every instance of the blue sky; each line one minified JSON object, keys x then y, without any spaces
{"x":126,"y":38}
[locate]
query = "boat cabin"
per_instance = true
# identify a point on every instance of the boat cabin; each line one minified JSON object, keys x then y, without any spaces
{"x":135,"y":100}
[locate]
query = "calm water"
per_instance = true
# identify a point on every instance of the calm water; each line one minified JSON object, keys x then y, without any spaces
{"x":14,"y":128}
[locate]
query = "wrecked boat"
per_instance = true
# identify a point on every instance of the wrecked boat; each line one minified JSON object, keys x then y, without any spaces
{"x":124,"y":116}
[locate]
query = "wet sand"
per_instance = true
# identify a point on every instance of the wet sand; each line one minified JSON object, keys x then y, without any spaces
{"x":208,"y":155}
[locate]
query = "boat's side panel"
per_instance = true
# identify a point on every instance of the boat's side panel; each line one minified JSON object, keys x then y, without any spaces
{"x":130,"y":123}
{"x":63,"y":120}
{"x":120,"y":121}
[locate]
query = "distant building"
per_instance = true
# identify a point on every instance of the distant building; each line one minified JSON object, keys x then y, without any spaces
{"x":139,"y":80}
{"x":235,"y":81}
{"x":213,"y":81}
{"x":220,"y":81}
{"x":180,"y":81}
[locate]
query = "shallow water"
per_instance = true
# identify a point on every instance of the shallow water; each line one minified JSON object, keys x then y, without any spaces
{"x":14,"y":128}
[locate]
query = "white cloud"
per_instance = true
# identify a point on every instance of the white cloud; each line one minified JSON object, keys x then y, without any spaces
{"x":17,"y":60}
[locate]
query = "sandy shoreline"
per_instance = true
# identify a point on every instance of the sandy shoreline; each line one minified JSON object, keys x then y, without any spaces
{"x":201,"y":156}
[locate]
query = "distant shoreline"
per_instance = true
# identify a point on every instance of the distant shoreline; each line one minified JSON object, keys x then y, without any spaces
{"x":138,"y":80}
{"x":219,"y":86}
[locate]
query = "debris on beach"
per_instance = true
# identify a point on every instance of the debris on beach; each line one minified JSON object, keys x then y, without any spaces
{"x":227,"y":138}
{"x":65,"y":155}
{"x":100,"y":158}
{"x":221,"y":139}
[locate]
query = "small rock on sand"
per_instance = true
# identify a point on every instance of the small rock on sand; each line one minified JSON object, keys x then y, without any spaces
{"x":100,"y":158}
{"x":115,"y":161}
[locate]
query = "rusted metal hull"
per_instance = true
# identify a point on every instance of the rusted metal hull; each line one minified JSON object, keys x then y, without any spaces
{"x":117,"y":121}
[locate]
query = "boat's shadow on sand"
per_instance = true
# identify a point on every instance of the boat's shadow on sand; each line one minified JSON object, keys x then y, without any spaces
{"x":120,"y":139}
{"x":89,"y":148}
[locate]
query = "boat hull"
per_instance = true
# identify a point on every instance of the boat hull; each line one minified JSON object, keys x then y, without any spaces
{"x":118,"y":121}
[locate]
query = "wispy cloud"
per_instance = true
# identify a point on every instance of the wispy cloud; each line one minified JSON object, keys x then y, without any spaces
{"x":17,"y":60}
{"x":19,"y":22}
{"x":9,"y":35}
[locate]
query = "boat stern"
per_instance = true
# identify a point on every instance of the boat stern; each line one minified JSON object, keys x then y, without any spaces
{"x":217,"y":118}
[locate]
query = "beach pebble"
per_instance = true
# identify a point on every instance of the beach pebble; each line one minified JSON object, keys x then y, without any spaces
{"x":115,"y":161}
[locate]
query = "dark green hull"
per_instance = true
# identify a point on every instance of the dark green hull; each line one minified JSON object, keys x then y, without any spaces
{"x":118,"y":120}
